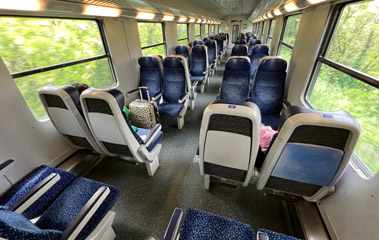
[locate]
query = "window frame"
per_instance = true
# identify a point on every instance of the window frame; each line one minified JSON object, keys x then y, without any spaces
{"x":187,"y":38}
{"x":163,"y":35}
{"x":332,"y":24}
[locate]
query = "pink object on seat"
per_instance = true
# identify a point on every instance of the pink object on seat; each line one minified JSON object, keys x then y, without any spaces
{"x":266,"y":136}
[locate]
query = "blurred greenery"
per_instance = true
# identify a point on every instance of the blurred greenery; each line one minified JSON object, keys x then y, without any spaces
{"x":206,"y":30}
{"x":29,"y":43}
{"x":182,"y":32}
{"x":197,"y":30}
{"x":290,"y":31}
{"x":150,"y":34}
{"x":285,"y":53}
{"x":183,"y":42}
{"x":272,"y":26}
{"x":355,"y":43}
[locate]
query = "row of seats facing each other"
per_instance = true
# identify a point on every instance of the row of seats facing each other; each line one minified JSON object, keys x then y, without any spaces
{"x":229,"y":142}
{"x":95,"y":120}
{"x":49,"y":203}
{"x":221,"y":41}
{"x":238,"y":50}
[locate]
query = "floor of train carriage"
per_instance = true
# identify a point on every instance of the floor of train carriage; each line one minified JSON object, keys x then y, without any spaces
{"x":146,"y":203}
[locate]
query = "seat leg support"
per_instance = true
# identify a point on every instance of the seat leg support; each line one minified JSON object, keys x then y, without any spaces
{"x":192,"y":104}
{"x":202,"y":88}
{"x":207,"y":181}
{"x":180,"y":121}
{"x":152,"y":166}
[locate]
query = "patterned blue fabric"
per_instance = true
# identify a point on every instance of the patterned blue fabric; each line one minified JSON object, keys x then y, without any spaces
{"x":258,"y":51}
{"x":235,"y":83}
{"x":171,"y":109}
{"x":277,"y":236}
{"x":60,"y":214}
{"x":239,"y":50}
{"x":174,"y":81}
{"x":200,"y":225}
{"x":32,"y":179}
{"x":156,"y":140}
{"x":197,"y":42}
{"x":198,"y":61}
{"x":252,"y":44}
{"x":211,"y":45}
{"x":219,"y":44}
{"x":200,"y":79}
{"x":150,"y":75}
{"x":16,"y":226}
{"x":184,"y":51}
{"x":270,"y":120}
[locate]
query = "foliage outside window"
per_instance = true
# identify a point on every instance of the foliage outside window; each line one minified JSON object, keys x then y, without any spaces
{"x":212,"y":29}
{"x":198,"y":31}
{"x":288,"y":38}
{"x":270,"y":32}
{"x":31,"y":46}
{"x":182,"y":34}
{"x":152,"y":38}
{"x":353,"y":46}
{"x":262,"y":30}
{"x":206,"y":29}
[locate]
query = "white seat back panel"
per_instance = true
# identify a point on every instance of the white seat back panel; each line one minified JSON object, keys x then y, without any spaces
{"x":105,"y":128}
{"x":227,"y":149}
{"x":64,"y":121}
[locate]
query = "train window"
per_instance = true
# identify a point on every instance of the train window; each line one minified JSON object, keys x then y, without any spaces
{"x":218,"y":28}
{"x":42,"y":51}
{"x":212,"y":29}
{"x":288,"y":37}
{"x":198,"y":31}
{"x":347,"y":72}
{"x":152,"y":38}
{"x":262,"y":30}
{"x":270,"y":32}
{"x":206,"y":30}
{"x":182,"y":34}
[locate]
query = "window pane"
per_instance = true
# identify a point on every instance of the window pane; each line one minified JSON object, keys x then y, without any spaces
{"x":206,"y":29}
{"x":96,"y":74}
{"x":158,"y":50}
{"x":212,"y":29}
{"x":272,"y":26}
{"x":290,"y":31}
{"x":182,"y":31}
{"x":285,"y":53}
{"x":268,"y":42}
{"x":29,"y":43}
{"x":356,"y":40}
{"x":197,"y":29}
{"x":198,"y":38}
{"x":262,"y":29}
{"x":335,"y":90}
{"x":150,"y":33}
{"x":183,"y":42}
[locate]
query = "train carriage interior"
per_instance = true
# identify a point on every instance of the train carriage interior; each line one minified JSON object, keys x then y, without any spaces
{"x":190,"y":120}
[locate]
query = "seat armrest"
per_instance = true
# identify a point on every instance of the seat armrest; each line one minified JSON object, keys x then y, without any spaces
{"x":154,"y":131}
{"x":184,"y":98}
{"x":81,"y":219}
{"x":156,"y":96}
{"x":34,"y":193}
{"x":131,"y":91}
{"x":194,"y":84}
{"x":262,"y":236}
{"x":286,"y":103}
{"x":6,"y":164}
{"x":173,"y":226}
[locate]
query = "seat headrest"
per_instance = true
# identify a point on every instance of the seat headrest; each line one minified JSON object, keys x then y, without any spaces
{"x":117,"y":94}
{"x":198,"y":49}
{"x":272,"y":64}
{"x":181,"y":49}
{"x":197,"y":42}
{"x":238,"y":64}
{"x":210,"y":43}
{"x":255,"y":42}
{"x":172,"y":62}
{"x":73,"y":92}
{"x":147,"y":62}
{"x":260,"y":48}
{"x":206,"y":39}
{"x":293,"y":110}
{"x":212,"y":37}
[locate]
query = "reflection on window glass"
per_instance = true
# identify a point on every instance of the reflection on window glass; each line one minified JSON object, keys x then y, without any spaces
{"x":285,"y":53}
{"x":197,"y":29}
{"x":355,"y":42}
{"x":290,"y":31}
{"x":334,"y":91}
{"x":182,"y":42}
{"x":158,"y":50}
{"x":96,"y":74}
{"x":182,"y":31}
{"x":29,"y":43}
{"x":150,"y":33}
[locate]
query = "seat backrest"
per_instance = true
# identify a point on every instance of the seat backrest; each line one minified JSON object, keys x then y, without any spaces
{"x":268,"y":84}
{"x":206,"y":39}
{"x":197,"y":42}
{"x":108,"y":123}
{"x":252,"y":44}
{"x":239,"y":50}
{"x":326,"y":141}
{"x":199,"y":60}
{"x":235,"y":83}
{"x":219,"y":44}
{"x":224,"y":124}
{"x":150,"y":74}
{"x":212,"y":51}
{"x":183,"y":50}
{"x":63,"y":106}
{"x":241,"y":41}
{"x":258,"y":51}
{"x":175,"y":79}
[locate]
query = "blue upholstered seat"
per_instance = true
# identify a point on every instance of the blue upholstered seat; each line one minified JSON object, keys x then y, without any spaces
{"x":150,"y":75}
{"x":171,"y":109}
{"x":258,"y":51}
{"x":197,"y":78}
{"x":200,"y":225}
{"x":268,"y":88}
{"x":33,"y":178}
{"x":197,"y":42}
{"x":235,"y":83}
{"x":277,"y":236}
{"x":220,"y":44}
{"x":212,"y":55}
{"x":144,"y":132}
{"x":252,"y":44}
{"x":198,"y":63}
{"x":184,"y":51}
{"x":241,"y":41}
{"x":239,"y":50}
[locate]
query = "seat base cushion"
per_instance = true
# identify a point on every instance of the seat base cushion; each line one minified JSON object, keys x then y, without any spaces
{"x":270,"y":120}
{"x":144,"y":132}
{"x":203,"y":225}
{"x":200,"y":79}
{"x":171,"y":109}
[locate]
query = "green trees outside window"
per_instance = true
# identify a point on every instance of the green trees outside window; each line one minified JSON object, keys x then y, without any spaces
{"x":355,"y":44}
{"x":197,"y":32}
{"x":269,"y":37}
{"x":152,"y":39}
{"x":206,"y":29}
{"x":289,"y":36}
{"x":28,"y":43}
{"x":182,"y":34}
